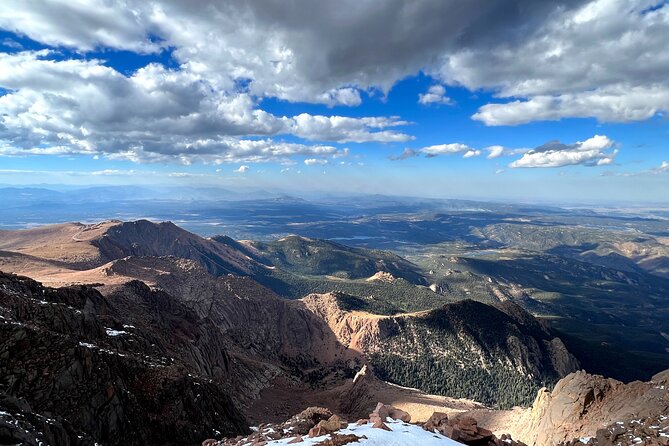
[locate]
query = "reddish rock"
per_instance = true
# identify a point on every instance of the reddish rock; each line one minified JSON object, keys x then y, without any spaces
{"x":398,"y":414}
{"x":383,"y":411}
{"x":652,"y":431}
{"x":437,"y":420}
{"x":305,"y":420}
{"x":463,"y":429}
{"x":450,"y":431}
{"x":380,"y":413}
{"x":362,"y":421}
{"x":340,"y":440}
{"x":381,"y":425}
{"x":297,"y":439}
{"x":317,"y":431}
{"x":334,"y":423}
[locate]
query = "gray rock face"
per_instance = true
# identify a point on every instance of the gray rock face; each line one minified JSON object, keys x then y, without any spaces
{"x":136,"y":367}
{"x":19,"y":424}
{"x":650,"y":431}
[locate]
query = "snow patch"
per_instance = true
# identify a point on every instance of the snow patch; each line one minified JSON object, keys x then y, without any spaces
{"x":402,"y":434}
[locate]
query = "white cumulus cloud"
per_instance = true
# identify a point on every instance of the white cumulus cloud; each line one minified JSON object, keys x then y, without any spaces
{"x":436,"y":94}
{"x":445,"y":149}
{"x":595,"y":151}
{"x":63,"y":107}
{"x":494,"y":152}
{"x":606,"y":59}
{"x":437,"y":150}
{"x":315,"y":161}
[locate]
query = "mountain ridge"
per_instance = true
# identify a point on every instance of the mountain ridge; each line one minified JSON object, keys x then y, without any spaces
{"x":258,"y":348}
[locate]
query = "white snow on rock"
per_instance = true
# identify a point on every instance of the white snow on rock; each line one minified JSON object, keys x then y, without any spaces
{"x":403,"y":434}
{"x":112,"y":332}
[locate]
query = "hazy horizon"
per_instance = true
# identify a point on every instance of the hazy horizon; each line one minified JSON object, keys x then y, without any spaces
{"x":324,"y":194}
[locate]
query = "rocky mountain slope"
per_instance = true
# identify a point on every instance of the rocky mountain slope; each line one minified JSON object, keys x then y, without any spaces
{"x":307,"y":256}
{"x":144,"y":238}
{"x":616,"y":320}
{"x":177,"y":334}
{"x":134,"y":367}
{"x":581,"y":404}
{"x":229,"y":337}
{"x":334,"y":332}
{"x":78,"y":246}
{"x":174,"y":260}
{"x":495,"y":355}
{"x":123,"y":363}
{"x":585,"y":406}
{"x":623,"y":249}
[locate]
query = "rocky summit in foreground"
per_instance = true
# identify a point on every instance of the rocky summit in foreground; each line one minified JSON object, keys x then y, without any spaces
{"x":385,"y":425}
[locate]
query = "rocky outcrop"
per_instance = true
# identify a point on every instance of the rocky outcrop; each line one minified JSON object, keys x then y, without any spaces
{"x":136,"y":367}
{"x":650,"y":431}
{"x":311,"y":422}
{"x":464,"y":429}
{"x":385,"y":425}
{"x":581,"y":404}
{"x":306,"y":420}
{"x":382,"y":276}
{"x":384,"y":411}
{"x":19,"y":424}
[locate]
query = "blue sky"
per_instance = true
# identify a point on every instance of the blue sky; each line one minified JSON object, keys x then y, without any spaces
{"x":309,"y":98}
